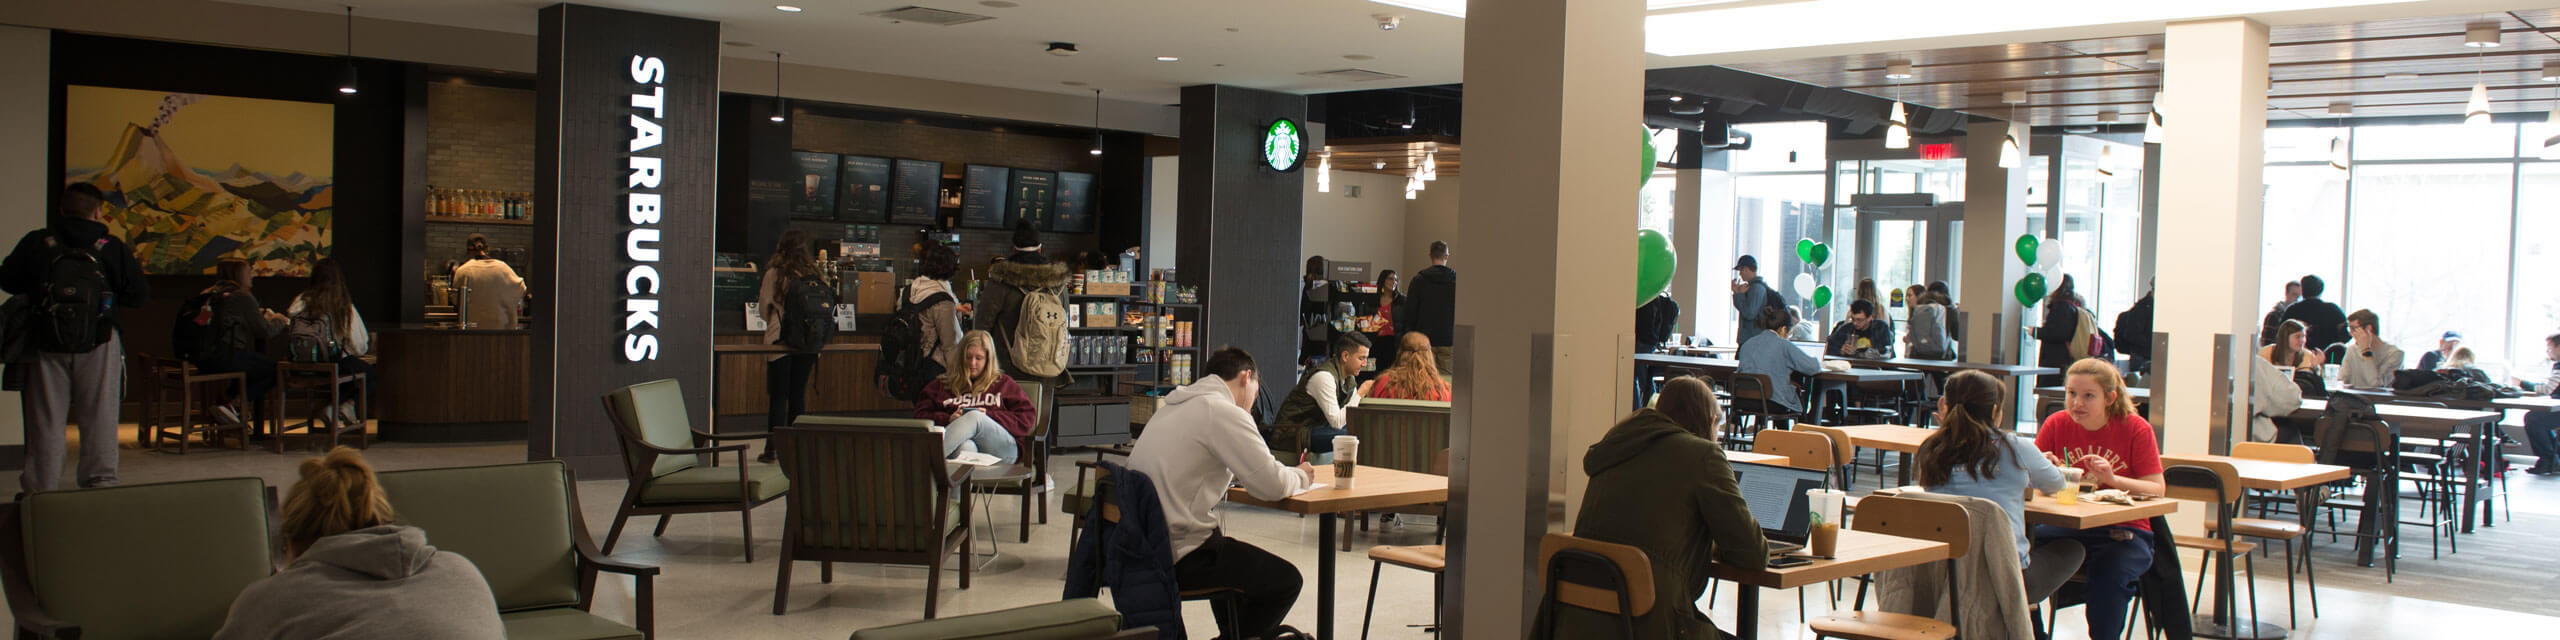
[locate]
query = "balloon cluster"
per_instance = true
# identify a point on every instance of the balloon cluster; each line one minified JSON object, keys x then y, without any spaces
{"x":2041,"y":269}
{"x":1815,"y":255}
{"x":1655,"y":261}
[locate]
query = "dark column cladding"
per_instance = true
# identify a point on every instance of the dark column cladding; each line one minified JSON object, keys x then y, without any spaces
{"x":1238,"y":225}
{"x":622,"y":257}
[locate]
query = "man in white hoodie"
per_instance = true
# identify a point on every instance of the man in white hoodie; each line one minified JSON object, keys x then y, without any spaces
{"x":1202,"y":441}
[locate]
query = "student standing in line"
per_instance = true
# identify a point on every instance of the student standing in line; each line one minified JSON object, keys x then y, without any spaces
{"x":1974,"y":453}
{"x":345,"y":547}
{"x":2370,"y":361}
{"x":2327,"y":322}
{"x":980,"y":409}
{"x":2098,"y":432}
{"x":77,"y":374}
{"x":1009,"y":282}
{"x":1660,"y":484}
{"x":1382,"y":334}
{"x":1315,"y":311}
{"x":786,"y":374}
{"x":1432,"y":304}
{"x":935,"y":265}
{"x":1202,"y":442}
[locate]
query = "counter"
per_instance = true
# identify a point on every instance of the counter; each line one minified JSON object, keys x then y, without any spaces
{"x":427,"y":372}
{"x":843,"y":381}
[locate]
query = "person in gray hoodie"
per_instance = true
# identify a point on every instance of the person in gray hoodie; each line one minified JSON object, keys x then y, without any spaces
{"x":377,"y":579}
{"x":1200,"y":443}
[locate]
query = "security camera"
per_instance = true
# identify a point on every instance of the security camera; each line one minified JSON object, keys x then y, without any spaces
{"x":1388,"y":22}
{"x":1062,"y":49}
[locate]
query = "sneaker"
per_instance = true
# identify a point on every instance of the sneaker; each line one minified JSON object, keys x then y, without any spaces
{"x":347,"y":413}
{"x":226,"y":415}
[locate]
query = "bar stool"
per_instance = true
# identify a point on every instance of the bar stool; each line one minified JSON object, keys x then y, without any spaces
{"x":1582,"y":573}
{"x":1431,"y":559}
{"x":190,"y":412}
{"x":1910,"y":518}
{"x":320,"y":385}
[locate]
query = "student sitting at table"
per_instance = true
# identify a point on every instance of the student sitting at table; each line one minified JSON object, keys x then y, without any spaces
{"x":1769,"y":353}
{"x":1415,"y":376}
{"x":979,"y":407}
{"x":2445,"y":347}
{"x":2539,"y":426}
{"x":2463,"y":363}
{"x":2370,"y":361}
{"x":1974,"y":453}
{"x":1200,"y":443}
{"x":1327,"y":389}
{"x":1862,"y":336}
{"x":1659,"y":483}
{"x":2098,"y":432}
{"x":2289,"y":349}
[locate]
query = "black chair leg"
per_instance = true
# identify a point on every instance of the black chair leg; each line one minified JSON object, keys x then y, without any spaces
{"x":662,"y":525}
{"x":1371,"y":610}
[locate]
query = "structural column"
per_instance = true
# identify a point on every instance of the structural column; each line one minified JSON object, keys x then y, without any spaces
{"x":1995,"y":212}
{"x":1685,"y":202}
{"x":1238,"y":225}
{"x":1546,"y":312}
{"x":2215,"y":113}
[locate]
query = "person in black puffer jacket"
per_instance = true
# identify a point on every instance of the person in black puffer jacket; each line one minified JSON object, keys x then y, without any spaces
{"x":1000,"y":304}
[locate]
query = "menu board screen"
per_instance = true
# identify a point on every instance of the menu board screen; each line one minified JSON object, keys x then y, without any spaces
{"x":982,"y":196}
{"x":865,"y":196}
{"x":1074,"y":213}
{"x":1032,"y":197}
{"x":911,"y":198}
{"x":815,"y":194}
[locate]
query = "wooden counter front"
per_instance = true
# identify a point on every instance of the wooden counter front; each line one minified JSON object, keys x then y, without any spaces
{"x":452,"y":377}
{"x":842,"y":382}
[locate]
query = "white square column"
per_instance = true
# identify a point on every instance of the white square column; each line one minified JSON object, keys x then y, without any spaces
{"x":1995,"y":212}
{"x":2211,"y":183}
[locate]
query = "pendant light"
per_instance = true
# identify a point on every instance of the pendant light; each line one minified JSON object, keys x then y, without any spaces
{"x":778,"y":104}
{"x":2106,"y":152}
{"x":2338,"y":157}
{"x":1412,"y":184}
{"x":347,"y":64}
{"x":1324,"y":170}
{"x":2009,"y":152}
{"x":1431,"y":162}
{"x":1097,"y":124}
{"x":1897,"y":131}
{"x":2152,"y":131}
{"x":2481,"y":36}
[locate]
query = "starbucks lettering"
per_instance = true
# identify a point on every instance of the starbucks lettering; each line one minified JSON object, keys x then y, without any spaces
{"x":625,"y":148}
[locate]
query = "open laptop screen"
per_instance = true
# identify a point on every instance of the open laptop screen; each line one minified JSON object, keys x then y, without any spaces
{"x":1776,"y":496}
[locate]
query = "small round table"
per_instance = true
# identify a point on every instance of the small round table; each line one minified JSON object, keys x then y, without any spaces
{"x":995,"y":477}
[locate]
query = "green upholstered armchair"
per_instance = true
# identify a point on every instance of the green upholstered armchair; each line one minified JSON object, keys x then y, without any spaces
{"x":1404,"y":435}
{"x":1077,"y":619}
{"x":1035,"y":452}
{"x":102,"y":563}
{"x":519,"y":524}
{"x":871,"y":490}
{"x":663,"y":455}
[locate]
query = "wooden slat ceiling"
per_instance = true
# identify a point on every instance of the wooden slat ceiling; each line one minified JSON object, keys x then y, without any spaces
{"x":1399,"y":154}
{"x":2429,"y":71}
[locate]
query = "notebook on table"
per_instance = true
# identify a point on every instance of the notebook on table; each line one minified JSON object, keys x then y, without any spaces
{"x":1775,"y":494}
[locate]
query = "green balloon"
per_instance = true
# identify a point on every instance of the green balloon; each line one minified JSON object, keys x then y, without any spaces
{"x":1822,"y":296}
{"x":2027,"y":249}
{"x":1804,"y":250}
{"x":2030,"y":289}
{"x":1650,"y":157}
{"x":1655,"y":262}
{"x":1821,"y":254}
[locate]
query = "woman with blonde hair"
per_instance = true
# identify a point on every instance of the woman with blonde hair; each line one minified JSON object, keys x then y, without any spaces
{"x":377,"y":579}
{"x":980,"y":409}
{"x":2098,"y":432}
{"x":1414,"y":377}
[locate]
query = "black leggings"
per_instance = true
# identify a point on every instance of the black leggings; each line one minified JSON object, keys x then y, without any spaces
{"x":786,"y":388}
{"x":1270,"y":584}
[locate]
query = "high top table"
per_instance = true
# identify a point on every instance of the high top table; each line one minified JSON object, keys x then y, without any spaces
{"x":1375,"y":489}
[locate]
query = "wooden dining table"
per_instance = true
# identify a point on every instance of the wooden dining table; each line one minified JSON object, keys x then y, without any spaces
{"x":1952,"y":366}
{"x":1902,"y":440}
{"x":1374,"y":489}
{"x":1723,"y":368}
{"x":1857,"y":553}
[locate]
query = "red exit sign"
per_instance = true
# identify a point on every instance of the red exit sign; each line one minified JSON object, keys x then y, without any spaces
{"x":1938,"y":151}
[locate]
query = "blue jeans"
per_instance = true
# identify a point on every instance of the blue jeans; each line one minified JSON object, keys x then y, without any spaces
{"x":1320,"y":441}
{"x":974,"y":431}
{"x":2538,"y":432}
{"x":2112,"y":566}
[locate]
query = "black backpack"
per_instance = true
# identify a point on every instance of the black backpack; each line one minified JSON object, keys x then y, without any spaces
{"x":905,"y":365}
{"x":72,"y":311}
{"x":808,"y":315}
{"x":201,"y":330}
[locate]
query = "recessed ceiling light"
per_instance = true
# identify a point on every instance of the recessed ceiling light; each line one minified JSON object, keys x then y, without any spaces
{"x":1897,"y":69}
{"x":1234,"y":30}
{"x":2053,"y":72}
{"x":2481,"y":35}
{"x":1073,"y":83}
{"x":1168,"y":59}
{"x":785,"y":8}
{"x":1359,"y":56}
{"x":1000,"y":4}
{"x":739,"y":43}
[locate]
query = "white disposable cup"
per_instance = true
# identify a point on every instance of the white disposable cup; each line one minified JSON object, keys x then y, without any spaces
{"x":1346,"y":457}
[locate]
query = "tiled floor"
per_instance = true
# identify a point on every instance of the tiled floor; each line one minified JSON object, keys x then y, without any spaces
{"x":707,"y":591}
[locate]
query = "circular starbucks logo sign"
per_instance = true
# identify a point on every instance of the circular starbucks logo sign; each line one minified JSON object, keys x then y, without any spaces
{"x":1282,"y":145}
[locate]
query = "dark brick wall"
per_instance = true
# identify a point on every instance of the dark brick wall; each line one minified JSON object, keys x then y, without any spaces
{"x":479,"y":138}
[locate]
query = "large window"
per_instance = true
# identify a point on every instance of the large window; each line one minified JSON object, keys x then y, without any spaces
{"x":2536,"y":306}
{"x":1778,"y":199}
{"x":2427,"y":247}
{"x":2306,"y":226}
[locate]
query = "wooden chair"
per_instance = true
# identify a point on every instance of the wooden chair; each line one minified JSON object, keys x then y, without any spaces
{"x":1226,"y":604}
{"x":661,"y":453}
{"x":1803,"y":449}
{"x":1844,"y":455}
{"x":2215,"y":483}
{"x":322,"y":384}
{"x":520,"y":525}
{"x":2287,"y":531}
{"x":1034,"y":452}
{"x":872,"y":490}
{"x":180,"y":406}
{"x":1923,"y":519}
{"x":1613,"y":579}
{"x":1753,"y":397}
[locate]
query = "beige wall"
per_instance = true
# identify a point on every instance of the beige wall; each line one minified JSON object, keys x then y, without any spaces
{"x":1369,"y":228}
{"x":26,"y":112}
{"x":255,"y":27}
{"x":1164,"y":190}
{"x":1433,"y":217}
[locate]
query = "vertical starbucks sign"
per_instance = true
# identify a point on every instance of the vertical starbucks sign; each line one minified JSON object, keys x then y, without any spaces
{"x":625,"y":158}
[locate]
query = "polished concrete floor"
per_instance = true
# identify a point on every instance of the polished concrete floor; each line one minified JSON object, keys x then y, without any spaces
{"x":707,"y":590}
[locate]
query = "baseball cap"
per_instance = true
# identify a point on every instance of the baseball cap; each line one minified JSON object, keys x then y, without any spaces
{"x":2453,"y":335}
{"x":1747,"y":262}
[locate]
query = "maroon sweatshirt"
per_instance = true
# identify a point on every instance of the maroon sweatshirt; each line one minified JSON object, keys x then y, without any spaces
{"x":1003,"y":401}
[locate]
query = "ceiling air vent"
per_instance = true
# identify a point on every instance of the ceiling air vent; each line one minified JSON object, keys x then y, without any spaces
{"x":935,"y":17}
{"x":1353,"y":75}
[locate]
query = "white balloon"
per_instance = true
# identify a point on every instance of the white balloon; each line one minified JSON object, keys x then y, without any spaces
{"x":1804,"y":286}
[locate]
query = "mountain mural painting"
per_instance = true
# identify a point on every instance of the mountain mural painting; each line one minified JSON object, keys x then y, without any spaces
{"x":192,"y":180}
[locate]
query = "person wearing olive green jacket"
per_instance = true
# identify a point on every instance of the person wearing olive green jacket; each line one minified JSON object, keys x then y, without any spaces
{"x":1660,"y":484}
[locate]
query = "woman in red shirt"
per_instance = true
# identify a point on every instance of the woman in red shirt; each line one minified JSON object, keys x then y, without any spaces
{"x":2098,"y":433}
{"x":1414,"y":377}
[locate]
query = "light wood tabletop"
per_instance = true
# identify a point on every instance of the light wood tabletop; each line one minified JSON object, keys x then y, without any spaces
{"x":1375,"y":489}
{"x":1889,"y":437}
{"x":1952,"y":366}
{"x":2268,"y":475}
{"x":1761,"y":458}
{"x":2042,"y":509}
{"x":1859,"y":553}
{"x":1720,"y":367}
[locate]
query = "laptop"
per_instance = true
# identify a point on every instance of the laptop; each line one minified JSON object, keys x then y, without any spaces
{"x":1776,"y":496}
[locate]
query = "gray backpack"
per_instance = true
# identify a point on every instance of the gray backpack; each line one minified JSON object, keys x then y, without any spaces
{"x":1929,"y":340}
